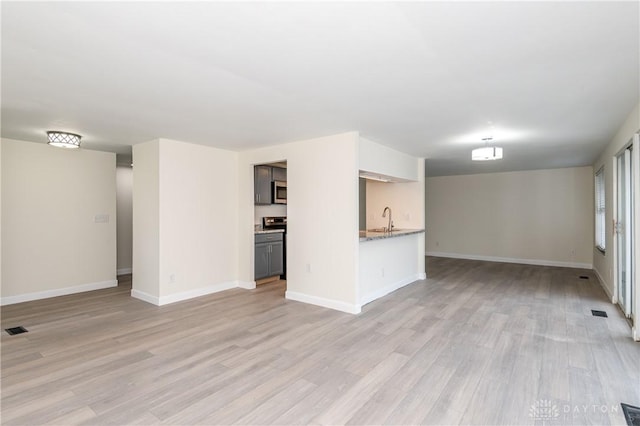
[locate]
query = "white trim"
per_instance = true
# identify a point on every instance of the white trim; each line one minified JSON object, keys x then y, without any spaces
{"x":391,"y":288}
{"x":124,"y":271}
{"x":539,"y":262}
{"x":145,"y":297}
{"x":635,"y":333}
{"x":191,"y":294}
{"x":321,"y":301}
{"x":604,"y":286}
{"x":202,"y":291}
{"x":27,"y":297}
{"x":247,"y":285}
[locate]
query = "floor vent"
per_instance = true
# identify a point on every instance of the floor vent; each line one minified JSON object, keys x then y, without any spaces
{"x":631,"y":414}
{"x":16,"y":330}
{"x":599,"y":314}
{"x":584,"y":277}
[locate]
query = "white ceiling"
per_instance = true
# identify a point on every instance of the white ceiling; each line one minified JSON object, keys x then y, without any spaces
{"x":556,"y":79}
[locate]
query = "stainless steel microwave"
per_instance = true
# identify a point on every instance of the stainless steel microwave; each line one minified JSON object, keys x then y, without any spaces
{"x":279,"y":192}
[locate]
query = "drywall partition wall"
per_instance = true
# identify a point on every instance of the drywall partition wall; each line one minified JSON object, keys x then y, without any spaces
{"x":146,"y":222}
{"x":386,"y":161}
{"x":124,"y":209}
{"x":322,"y":215}
{"x":185,"y":221}
{"x":58,"y":221}
{"x":538,"y":217}
{"x":603,"y":262}
{"x":198,"y":220}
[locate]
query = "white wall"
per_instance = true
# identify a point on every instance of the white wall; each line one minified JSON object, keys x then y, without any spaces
{"x":124,"y":209}
{"x":389,"y":264}
{"x":539,"y":217}
{"x":198,"y":220}
{"x":146,"y":221}
{"x":51,"y":244}
{"x":185,"y":221}
{"x":383,"y":160}
{"x":322,"y":218}
{"x":603,"y":263}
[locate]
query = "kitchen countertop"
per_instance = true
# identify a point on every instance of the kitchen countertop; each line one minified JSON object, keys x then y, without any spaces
{"x":369,"y":235}
{"x":268,"y":231}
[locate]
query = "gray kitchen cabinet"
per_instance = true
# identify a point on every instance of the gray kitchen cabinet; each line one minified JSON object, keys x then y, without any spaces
{"x":269,"y":255}
{"x":279,"y":173}
{"x":262,"y":184}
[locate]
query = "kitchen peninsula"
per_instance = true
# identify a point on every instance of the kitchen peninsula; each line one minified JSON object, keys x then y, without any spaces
{"x":391,"y":197}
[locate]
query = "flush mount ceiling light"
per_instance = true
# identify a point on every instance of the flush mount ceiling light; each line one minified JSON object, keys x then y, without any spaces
{"x":487,"y":153}
{"x":63,"y":139}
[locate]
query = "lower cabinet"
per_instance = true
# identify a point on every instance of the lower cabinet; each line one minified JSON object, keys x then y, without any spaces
{"x":269,"y":255}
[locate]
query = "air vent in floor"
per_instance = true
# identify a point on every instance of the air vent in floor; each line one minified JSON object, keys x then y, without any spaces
{"x":599,"y":314}
{"x":584,"y":277}
{"x":16,"y":330}
{"x":631,"y":414}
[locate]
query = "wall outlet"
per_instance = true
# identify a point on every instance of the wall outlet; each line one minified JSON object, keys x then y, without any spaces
{"x":437,"y":243}
{"x":407,"y":216}
{"x":172,"y":278}
{"x":382,"y":272}
{"x":308,"y":268}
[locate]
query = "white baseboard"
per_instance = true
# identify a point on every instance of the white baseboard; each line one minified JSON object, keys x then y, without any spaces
{"x":145,"y":297}
{"x":185,"y":295}
{"x":391,"y":288}
{"x":321,"y":301}
{"x":202,"y":291}
{"x":635,"y":333}
{"x":10,"y":300}
{"x":247,"y":285}
{"x":538,"y":262}
{"x":124,"y":271}
{"x":604,"y":286}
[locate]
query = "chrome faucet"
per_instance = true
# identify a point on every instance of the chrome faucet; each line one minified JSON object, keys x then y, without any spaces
{"x":384,"y":214}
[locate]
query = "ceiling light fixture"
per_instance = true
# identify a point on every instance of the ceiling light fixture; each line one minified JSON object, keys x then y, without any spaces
{"x":487,"y":153}
{"x":63,"y":139}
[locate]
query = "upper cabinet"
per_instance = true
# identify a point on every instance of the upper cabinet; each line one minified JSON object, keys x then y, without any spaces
{"x":279,"y":173}
{"x":262,"y":182}
{"x":263,"y":178}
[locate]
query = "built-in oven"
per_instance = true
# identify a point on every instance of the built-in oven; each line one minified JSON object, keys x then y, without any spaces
{"x":279,"y":192}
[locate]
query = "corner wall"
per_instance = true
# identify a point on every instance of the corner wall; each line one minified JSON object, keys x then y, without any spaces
{"x":322,"y":218}
{"x":185,"y":221}
{"x":51,"y":242}
{"x":542,"y":217}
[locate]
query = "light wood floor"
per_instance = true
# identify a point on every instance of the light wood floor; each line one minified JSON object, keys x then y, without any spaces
{"x":476,"y":343}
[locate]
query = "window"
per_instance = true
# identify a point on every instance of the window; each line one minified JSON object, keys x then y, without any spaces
{"x":599,"y":203}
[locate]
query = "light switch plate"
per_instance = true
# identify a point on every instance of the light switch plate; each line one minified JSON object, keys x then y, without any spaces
{"x":101,"y":218}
